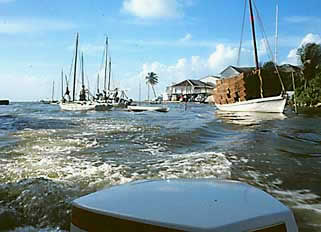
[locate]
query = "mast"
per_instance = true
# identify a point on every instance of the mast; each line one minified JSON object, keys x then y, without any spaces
{"x":276,"y":33}
{"x":98,"y":83}
{"x":253,"y":35}
{"x":62,"y":83}
{"x":75,"y":69}
{"x":53,"y":90}
{"x":106,"y":53}
{"x":82,"y":71}
{"x":109,"y":73}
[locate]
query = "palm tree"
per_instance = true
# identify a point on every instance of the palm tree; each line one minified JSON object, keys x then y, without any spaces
{"x":151,"y":80}
{"x":310,"y":57}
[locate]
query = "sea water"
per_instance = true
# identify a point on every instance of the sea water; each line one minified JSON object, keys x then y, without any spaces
{"x":49,"y":158}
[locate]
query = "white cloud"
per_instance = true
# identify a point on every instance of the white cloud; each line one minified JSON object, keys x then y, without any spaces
{"x":153,"y":8}
{"x":292,"y":57}
{"x":187,"y":37}
{"x":194,"y":67}
{"x":14,"y":26}
{"x":223,"y":56}
{"x":311,"y":38}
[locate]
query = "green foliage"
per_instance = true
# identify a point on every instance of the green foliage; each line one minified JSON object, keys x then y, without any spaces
{"x":151,"y":78}
{"x":269,"y":66}
{"x":310,"y":57}
{"x":311,"y":95}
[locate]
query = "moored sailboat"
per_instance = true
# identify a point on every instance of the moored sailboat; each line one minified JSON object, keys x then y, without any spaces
{"x":84,"y":103}
{"x":115,"y":97}
{"x":254,"y":91}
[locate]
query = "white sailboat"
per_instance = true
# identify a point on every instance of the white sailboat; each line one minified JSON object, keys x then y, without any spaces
{"x":268,"y":104}
{"x":83,"y":104}
{"x":115,"y":97}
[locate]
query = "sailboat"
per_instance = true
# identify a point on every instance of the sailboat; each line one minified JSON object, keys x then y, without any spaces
{"x":84,"y":103}
{"x":116,"y":97}
{"x":53,"y":101}
{"x":250,"y":92}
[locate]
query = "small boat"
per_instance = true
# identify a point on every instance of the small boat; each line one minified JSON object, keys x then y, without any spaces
{"x":148,"y":108}
{"x":181,"y":205}
{"x":253,"y":91}
{"x":84,"y":106}
{"x":4,"y":102}
{"x":268,"y":104}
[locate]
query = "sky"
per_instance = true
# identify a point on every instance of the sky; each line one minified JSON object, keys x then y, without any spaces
{"x":176,"y":39}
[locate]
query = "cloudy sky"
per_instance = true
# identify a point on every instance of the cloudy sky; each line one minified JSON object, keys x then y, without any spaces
{"x":177,"y":39}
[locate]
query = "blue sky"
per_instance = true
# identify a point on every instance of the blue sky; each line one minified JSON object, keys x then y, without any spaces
{"x":177,"y":39}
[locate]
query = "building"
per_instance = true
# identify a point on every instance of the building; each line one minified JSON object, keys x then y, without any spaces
{"x":234,"y":71}
{"x":190,"y":90}
{"x":210,"y":80}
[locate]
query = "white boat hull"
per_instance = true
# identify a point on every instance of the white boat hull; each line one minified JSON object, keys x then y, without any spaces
{"x":147,"y":108}
{"x":84,"y":106}
{"x":267,"y":105}
{"x":181,"y":205}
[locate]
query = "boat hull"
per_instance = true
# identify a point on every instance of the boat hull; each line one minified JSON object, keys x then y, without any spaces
{"x":147,"y":108}
{"x":84,"y":106}
{"x":266,"y":105}
{"x":4,"y":102}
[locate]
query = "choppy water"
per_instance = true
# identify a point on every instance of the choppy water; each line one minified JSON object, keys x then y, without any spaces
{"x":49,"y":157}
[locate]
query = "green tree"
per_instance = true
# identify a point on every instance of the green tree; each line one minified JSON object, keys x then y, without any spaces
{"x":310,"y":58}
{"x":152,"y":80}
{"x":310,"y":95}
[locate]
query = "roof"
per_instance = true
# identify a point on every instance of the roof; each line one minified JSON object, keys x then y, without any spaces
{"x":194,"y":83}
{"x":239,"y":69}
{"x":289,"y":68}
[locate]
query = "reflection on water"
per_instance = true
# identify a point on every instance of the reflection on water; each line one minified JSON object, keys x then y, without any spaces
{"x":248,"y":118}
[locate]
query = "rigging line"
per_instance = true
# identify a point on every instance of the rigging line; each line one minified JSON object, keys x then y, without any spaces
{"x":71,"y":66}
{"x":268,"y":46}
{"x":242,"y":32}
{"x":265,"y":39}
{"x":102,"y":60}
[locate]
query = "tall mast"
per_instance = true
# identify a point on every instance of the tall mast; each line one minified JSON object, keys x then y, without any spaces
{"x":106,"y":53}
{"x":62,"y":83}
{"x":109,"y":68}
{"x":98,"y":83}
{"x":53,"y":90}
{"x":75,"y":69}
{"x":253,"y":34}
{"x":82,"y":71}
{"x":276,"y":34}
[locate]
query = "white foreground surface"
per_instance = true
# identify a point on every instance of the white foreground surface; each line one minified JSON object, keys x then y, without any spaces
{"x":189,"y":205}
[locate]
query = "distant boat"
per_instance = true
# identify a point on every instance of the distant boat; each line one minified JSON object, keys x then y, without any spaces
{"x":52,"y":101}
{"x":83,"y":104}
{"x":148,"y":108}
{"x":245,"y":91}
{"x":4,"y":102}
